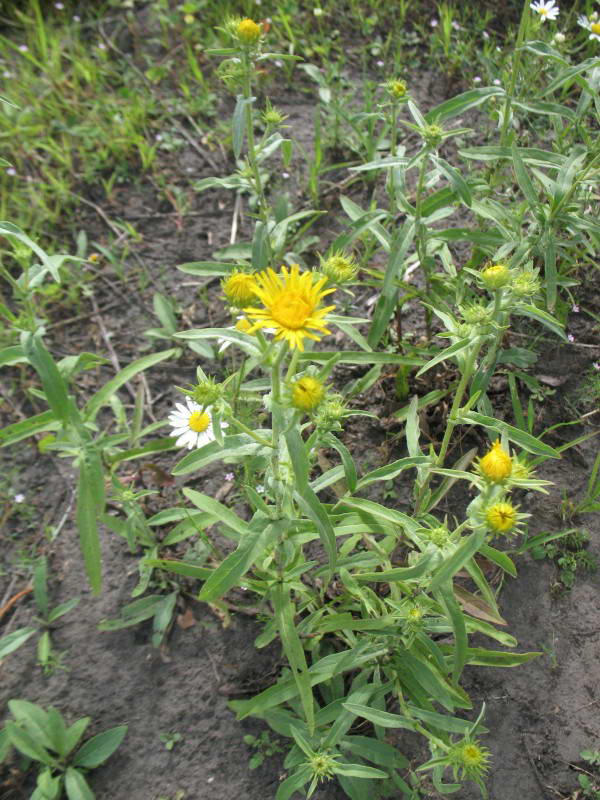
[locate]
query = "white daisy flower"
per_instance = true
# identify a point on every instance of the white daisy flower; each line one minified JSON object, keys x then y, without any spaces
{"x":591,"y":25}
{"x":192,"y":425}
{"x":546,"y":10}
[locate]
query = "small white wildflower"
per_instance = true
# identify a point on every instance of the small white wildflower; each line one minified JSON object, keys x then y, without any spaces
{"x":575,"y":308}
{"x":259,"y":488}
{"x":434,"y":23}
{"x":229,"y":476}
{"x":596,"y":365}
{"x":101,"y":46}
{"x":7,"y":74}
{"x":497,"y":82}
{"x":559,"y":38}
{"x":380,"y":64}
{"x":570,"y":337}
{"x":23,"y":48}
{"x":476,"y":79}
{"x":59,"y":6}
{"x":76,"y":18}
{"x":456,"y":26}
{"x":318,"y":12}
{"x":285,"y":175}
{"x":278,"y":63}
{"x":191,"y":425}
{"x":11,"y":171}
{"x":486,"y":35}
{"x":19,"y":498}
{"x":546,"y":10}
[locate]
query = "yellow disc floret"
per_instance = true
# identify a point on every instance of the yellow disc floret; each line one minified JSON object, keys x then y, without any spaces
{"x":307,"y":393}
{"x":501,"y":517}
{"x":291,"y":303}
{"x":248,"y":31}
{"x":239,"y":289}
{"x":496,"y":464}
{"x":198,"y":421}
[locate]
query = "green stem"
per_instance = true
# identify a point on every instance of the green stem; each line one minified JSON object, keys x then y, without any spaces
{"x":523,"y":26}
{"x":245,"y":429}
{"x":421,"y":233}
{"x":452,"y":419}
{"x":263,"y":209}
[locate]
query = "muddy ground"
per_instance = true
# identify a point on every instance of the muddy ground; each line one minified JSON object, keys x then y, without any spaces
{"x":540,"y":716}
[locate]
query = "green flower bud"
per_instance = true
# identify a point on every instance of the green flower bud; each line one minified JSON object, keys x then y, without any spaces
{"x":526,"y":284}
{"x":433,"y":135}
{"x":339,"y":267}
{"x":496,"y":276}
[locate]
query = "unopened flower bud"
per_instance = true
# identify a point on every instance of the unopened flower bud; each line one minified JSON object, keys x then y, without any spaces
{"x":339,"y":267}
{"x":248,"y":32}
{"x":239,"y":288}
{"x":307,"y":393}
{"x":496,"y":276}
{"x":496,"y":464}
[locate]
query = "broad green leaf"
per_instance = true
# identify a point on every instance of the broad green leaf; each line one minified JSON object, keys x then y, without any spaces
{"x":12,"y":355}
{"x":445,"y":597}
{"x":373,"y":750}
{"x":462,"y":102}
{"x":382,"y":718}
{"x":390,"y":471}
{"x":220,"y":512}
{"x":293,"y":649}
{"x":349,"y":467}
{"x":449,"y":352}
{"x":294,"y":783}
{"x":523,"y":178}
{"x":100,"y":747}
{"x":25,"y":743}
{"x":542,"y":317}
{"x":306,"y":497}
{"x":34,"y":719}
{"x":87,"y":512}
{"x":566,"y":75}
{"x":498,"y":658}
{"x":422,"y":567}
{"x":53,"y":383}
{"x":359,"y":357}
{"x":323,"y":670}
{"x":519,"y":437}
{"x":237,"y":447}
{"x":12,"y":641}
{"x":236,"y":564}
{"x":46,"y":421}
{"x":76,"y":786}
{"x":208,"y":268}
{"x":358,"y":771}
{"x":459,"y":184}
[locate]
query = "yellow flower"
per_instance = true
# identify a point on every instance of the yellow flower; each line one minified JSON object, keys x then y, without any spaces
{"x":242,"y":325}
{"x":248,"y":31}
{"x":239,"y":289}
{"x":291,"y":305}
{"x":307,"y":393}
{"x":496,"y":276}
{"x":496,"y":464}
{"x":501,"y":517}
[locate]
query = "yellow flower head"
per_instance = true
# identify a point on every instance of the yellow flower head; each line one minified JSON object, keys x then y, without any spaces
{"x":291,"y":305}
{"x":501,"y":517}
{"x":239,"y":289}
{"x":470,"y":758}
{"x":496,"y":277}
{"x":307,"y":393}
{"x":496,"y":464}
{"x":242,"y":325}
{"x":248,"y":31}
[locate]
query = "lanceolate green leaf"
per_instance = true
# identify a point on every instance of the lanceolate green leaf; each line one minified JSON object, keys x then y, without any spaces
{"x":53,"y":383}
{"x":466,"y":550}
{"x":102,"y":397}
{"x":519,"y":437}
{"x":292,"y":646}
{"x":97,"y":749}
{"x":87,"y":513}
{"x":236,"y":564}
